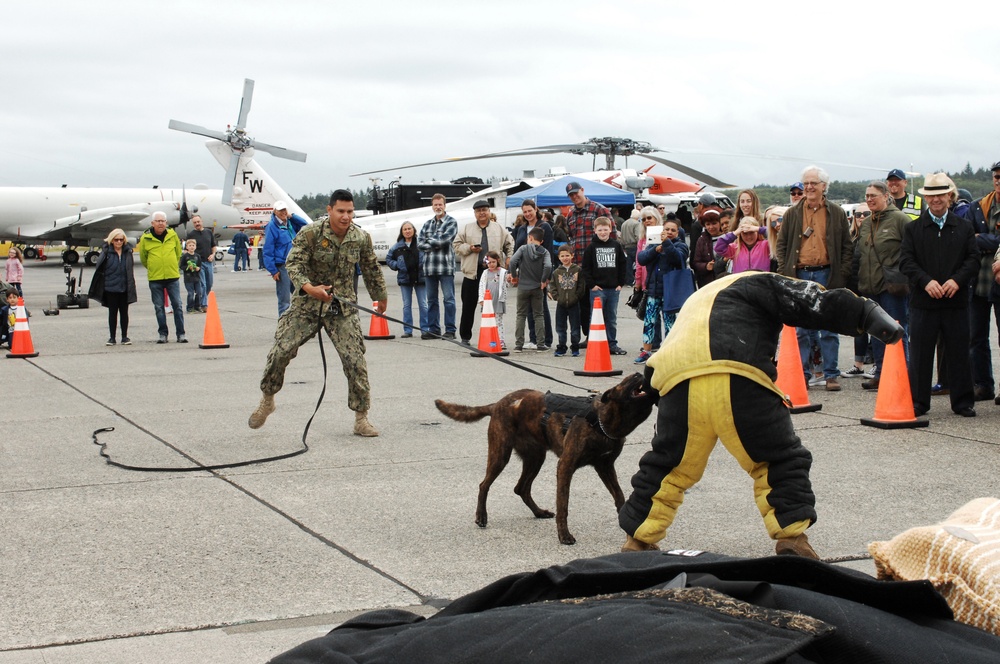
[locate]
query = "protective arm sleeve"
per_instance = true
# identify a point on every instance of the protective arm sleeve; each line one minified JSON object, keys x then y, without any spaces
{"x":876,"y":322}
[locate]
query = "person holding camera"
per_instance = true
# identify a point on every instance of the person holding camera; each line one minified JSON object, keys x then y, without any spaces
{"x":321,"y":267}
{"x":472,"y":244}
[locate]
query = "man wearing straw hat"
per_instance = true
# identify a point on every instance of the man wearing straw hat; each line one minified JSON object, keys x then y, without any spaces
{"x":940,"y":258}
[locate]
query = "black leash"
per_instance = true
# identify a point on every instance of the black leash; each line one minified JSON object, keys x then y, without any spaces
{"x":198,"y":465}
{"x":468,"y":349}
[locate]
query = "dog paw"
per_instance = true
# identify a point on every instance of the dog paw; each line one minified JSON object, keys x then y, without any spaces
{"x":567,"y":539}
{"x":544,"y":514}
{"x":481,"y":522}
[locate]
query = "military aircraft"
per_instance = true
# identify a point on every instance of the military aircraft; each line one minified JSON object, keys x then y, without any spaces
{"x":81,"y":217}
{"x":674,"y":193}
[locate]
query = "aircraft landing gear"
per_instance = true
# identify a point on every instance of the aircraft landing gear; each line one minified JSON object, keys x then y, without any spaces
{"x":30,"y":253}
{"x":71,"y":257}
{"x":71,"y":298}
{"x":90,"y":258}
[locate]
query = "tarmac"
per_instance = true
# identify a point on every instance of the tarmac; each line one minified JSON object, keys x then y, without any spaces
{"x":101,"y":564}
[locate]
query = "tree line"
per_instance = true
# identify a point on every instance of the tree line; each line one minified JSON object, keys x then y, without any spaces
{"x":315,"y":204}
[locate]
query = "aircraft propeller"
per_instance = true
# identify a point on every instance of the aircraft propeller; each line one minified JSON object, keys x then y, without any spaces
{"x":238,"y":140}
{"x":610,"y":147}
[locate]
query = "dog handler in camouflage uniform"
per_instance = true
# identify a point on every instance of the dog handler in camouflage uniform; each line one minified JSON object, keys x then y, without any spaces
{"x":321,"y":265}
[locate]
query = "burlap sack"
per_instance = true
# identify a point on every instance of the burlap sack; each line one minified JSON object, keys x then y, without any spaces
{"x":960,"y":557}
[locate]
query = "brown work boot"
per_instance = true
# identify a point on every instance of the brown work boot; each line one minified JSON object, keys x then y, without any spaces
{"x":632,"y":544}
{"x":264,"y":408}
{"x":795,"y":546}
{"x":832,"y":385}
{"x":362,"y":427}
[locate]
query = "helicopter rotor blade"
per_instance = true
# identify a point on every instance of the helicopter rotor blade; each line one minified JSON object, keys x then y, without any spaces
{"x":577,"y":148}
{"x":241,"y":123}
{"x":197,"y":129}
{"x":284,"y":153}
{"x":687,"y":170}
{"x":227,"y":187}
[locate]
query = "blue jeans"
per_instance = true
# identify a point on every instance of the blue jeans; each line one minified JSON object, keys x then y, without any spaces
{"x":446,"y":282}
{"x":283,"y":288}
{"x":979,"y":333}
{"x":207,"y":280}
{"x":569,"y":315}
{"x":896,"y":306}
{"x":829,"y":342}
{"x":242,"y":258}
{"x":173,"y":288}
{"x":194,"y":293}
{"x":609,"y":304}
{"x":406,"y":291}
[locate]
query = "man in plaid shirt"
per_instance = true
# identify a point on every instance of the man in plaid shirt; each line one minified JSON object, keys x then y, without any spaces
{"x":435,"y":241}
{"x":580,"y":222}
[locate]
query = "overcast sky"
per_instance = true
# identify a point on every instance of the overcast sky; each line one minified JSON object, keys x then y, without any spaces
{"x":88,"y":87}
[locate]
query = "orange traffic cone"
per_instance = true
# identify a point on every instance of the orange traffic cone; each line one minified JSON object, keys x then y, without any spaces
{"x":21,"y":345}
{"x":791,"y":380}
{"x":489,"y":336}
{"x":213,"y":337}
{"x":379,"y":328}
{"x":598,"y":360}
{"x":894,"y":403}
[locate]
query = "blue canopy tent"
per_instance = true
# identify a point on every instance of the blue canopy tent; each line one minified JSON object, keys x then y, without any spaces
{"x":553,"y":194}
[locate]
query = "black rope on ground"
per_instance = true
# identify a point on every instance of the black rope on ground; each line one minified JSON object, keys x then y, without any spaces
{"x":222,"y":466}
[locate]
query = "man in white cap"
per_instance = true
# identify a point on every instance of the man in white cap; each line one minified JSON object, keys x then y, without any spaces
{"x":277,"y":243}
{"x":940,"y":258}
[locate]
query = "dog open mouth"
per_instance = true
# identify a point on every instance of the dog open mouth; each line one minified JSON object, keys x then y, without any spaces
{"x":639,"y":388}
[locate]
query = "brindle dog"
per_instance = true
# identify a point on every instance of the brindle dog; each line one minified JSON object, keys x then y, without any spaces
{"x":580,"y":431}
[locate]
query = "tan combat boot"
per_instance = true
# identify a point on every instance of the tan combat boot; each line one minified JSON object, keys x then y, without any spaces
{"x":264,"y":408}
{"x":362,"y":427}
{"x":795,"y":546}
{"x":632,"y":544}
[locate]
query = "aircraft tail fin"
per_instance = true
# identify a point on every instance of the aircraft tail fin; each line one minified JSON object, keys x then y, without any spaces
{"x":254,"y":191}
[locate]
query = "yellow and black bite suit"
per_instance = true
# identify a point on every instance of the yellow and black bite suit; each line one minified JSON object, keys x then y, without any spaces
{"x":715,"y":376}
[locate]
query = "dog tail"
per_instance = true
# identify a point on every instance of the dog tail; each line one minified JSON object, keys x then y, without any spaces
{"x":463,"y":413}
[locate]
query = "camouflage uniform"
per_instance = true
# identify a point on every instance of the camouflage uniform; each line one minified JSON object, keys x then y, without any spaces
{"x":320,"y":257}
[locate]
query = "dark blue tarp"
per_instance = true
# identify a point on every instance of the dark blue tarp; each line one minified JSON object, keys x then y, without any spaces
{"x":553,"y":194}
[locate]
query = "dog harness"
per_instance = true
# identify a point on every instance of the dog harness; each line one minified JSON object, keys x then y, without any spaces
{"x":571,"y":408}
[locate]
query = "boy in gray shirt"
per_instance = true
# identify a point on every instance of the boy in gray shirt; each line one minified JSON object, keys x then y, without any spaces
{"x":529,"y":271}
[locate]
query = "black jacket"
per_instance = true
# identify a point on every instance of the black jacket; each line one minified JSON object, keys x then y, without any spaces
{"x":96,"y":290}
{"x":929,"y":253}
{"x":658,"y":606}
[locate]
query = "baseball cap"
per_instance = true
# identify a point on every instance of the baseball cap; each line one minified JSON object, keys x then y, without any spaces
{"x":707,"y":199}
{"x":279,"y":206}
{"x":995,"y":167}
{"x":573,"y":187}
{"x":481,"y":203}
{"x":797,"y":185}
{"x":896,"y":173}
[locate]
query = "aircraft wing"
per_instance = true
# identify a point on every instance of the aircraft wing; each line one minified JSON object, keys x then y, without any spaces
{"x":98,"y":223}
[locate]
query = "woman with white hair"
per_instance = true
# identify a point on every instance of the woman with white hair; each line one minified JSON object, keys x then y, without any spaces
{"x":113,"y":284}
